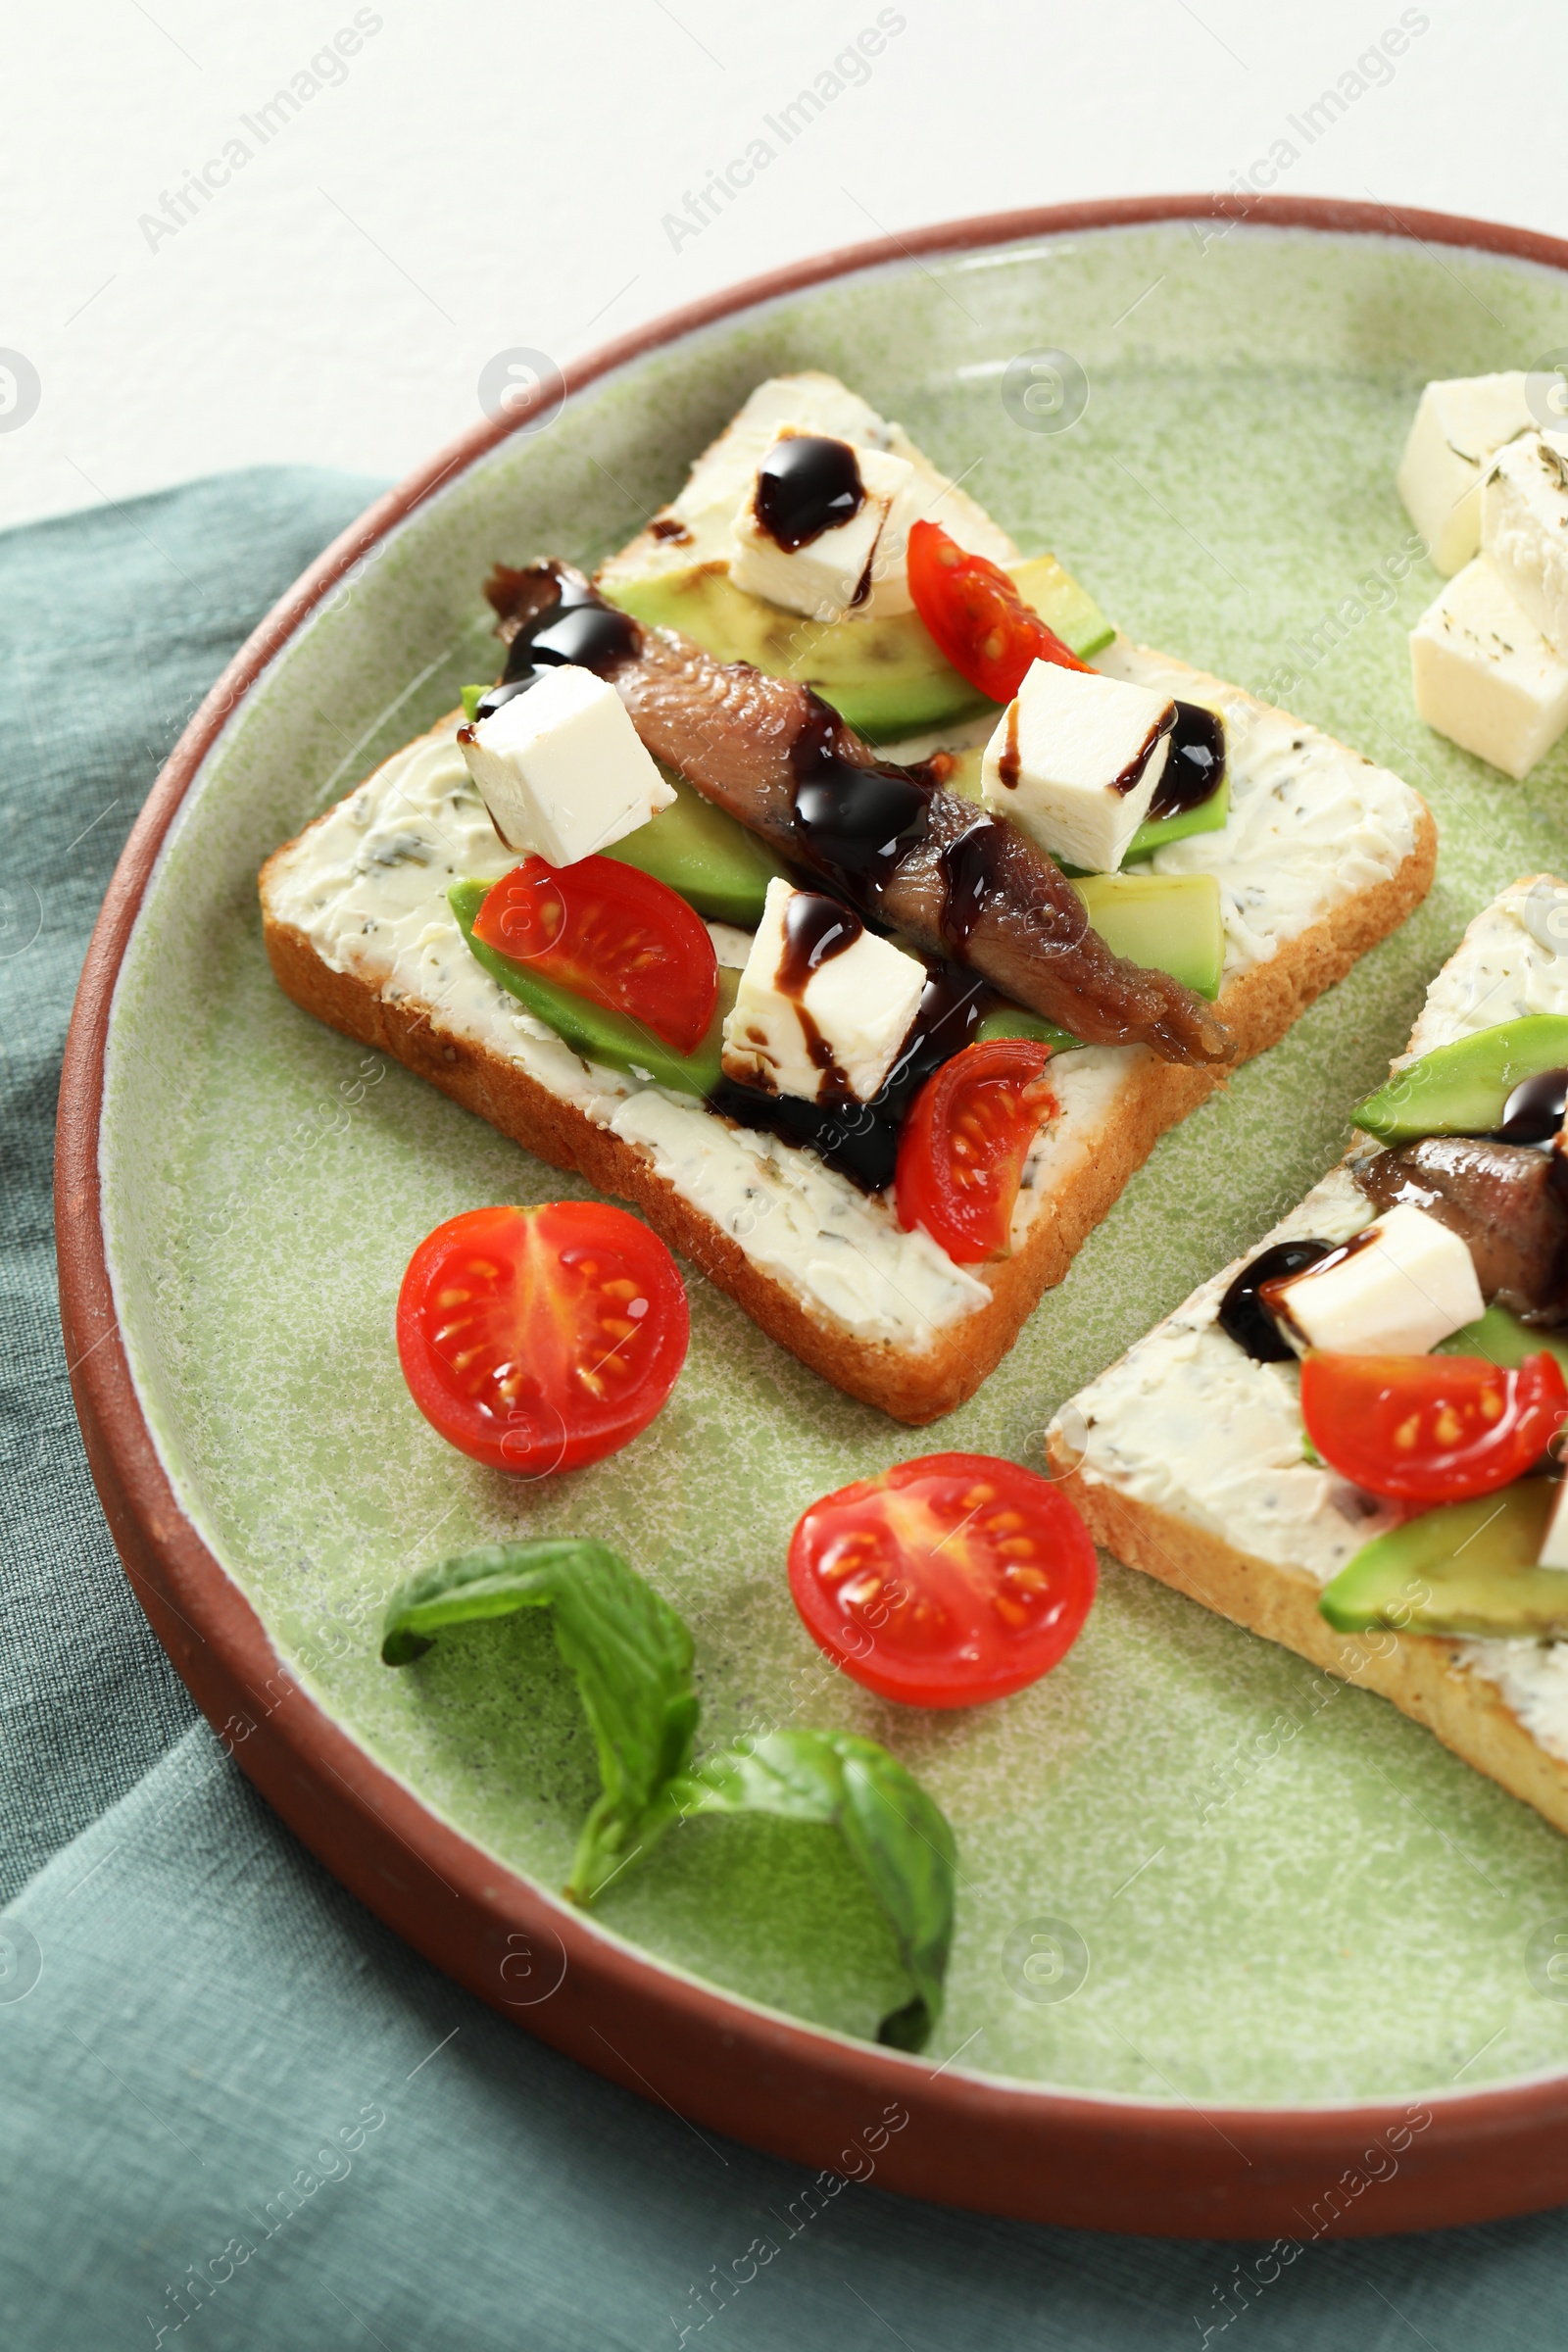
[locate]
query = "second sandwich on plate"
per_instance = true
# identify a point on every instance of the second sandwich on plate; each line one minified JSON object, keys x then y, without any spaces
{"x":1349,"y":1441}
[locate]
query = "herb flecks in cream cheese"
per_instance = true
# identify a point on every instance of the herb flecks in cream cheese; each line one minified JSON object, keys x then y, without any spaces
{"x":1309,"y":825}
{"x":367,"y":887}
{"x":1190,"y":1424}
{"x":1310,"y":822}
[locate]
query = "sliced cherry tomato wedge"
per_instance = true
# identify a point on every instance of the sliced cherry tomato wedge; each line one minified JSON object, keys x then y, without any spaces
{"x":946,"y":1581}
{"x":539,"y":1339}
{"x":963,"y":1143}
{"x":614,"y":935}
{"x":979,"y":620}
{"x":1431,"y":1428}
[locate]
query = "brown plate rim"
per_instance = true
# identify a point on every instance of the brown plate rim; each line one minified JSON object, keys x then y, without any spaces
{"x":715,"y":2060}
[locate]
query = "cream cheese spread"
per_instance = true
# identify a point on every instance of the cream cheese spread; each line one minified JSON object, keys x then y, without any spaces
{"x":698,"y":526}
{"x":1309,"y":823}
{"x":1189,"y":1423}
{"x":367,"y":884}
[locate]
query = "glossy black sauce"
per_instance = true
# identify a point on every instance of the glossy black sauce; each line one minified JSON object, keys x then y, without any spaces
{"x":854,"y":823}
{"x":970,"y":871}
{"x":953,"y":1003}
{"x":489,"y":704}
{"x":1009,"y":766}
{"x":1243,"y":1316}
{"x":806,"y":485}
{"x":589,"y":634}
{"x":1195,"y":767}
{"x":861,"y":1140}
{"x":850,"y":1136}
{"x":815,"y":930}
{"x":1274,"y":1293}
{"x":1131,"y":775}
{"x":1533,"y":1111}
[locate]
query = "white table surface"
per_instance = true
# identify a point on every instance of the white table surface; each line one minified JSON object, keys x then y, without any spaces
{"x":483,"y":177}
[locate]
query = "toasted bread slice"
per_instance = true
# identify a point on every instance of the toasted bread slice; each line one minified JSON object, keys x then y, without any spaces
{"x":1185,"y":1457}
{"x":1322,"y":856}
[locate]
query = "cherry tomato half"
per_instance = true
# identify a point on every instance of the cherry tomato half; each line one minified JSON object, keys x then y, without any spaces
{"x":963,"y":1142}
{"x":977,"y":617}
{"x":946,"y":1581}
{"x":613,"y":934}
{"x":539,"y":1338}
{"x":1431,"y":1428}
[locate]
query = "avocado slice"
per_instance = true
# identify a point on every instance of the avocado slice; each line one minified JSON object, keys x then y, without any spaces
{"x":1167,"y":922}
{"x":714,"y":863}
{"x":718,"y":866}
{"x":607,"y":1038}
{"x":1461,"y":1088}
{"x":1209,"y":817}
{"x":1464,"y":1568}
{"x":1012,"y":1020}
{"x":885,"y":676}
{"x":1502,"y":1340}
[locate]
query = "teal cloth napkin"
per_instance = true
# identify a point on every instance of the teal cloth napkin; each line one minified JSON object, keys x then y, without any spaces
{"x":234,"y":2111}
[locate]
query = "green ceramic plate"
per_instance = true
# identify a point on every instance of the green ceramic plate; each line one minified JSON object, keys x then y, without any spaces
{"x":1281,"y":1890}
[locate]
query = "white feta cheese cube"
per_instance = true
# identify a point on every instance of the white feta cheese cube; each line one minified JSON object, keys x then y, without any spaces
{"x":1407,"y":1284}
{"x":1460,"y":425}
{"x":823,"y":1004}
{"x":1075,"y":762}
{"x":1524,"y":528}
{"x":560,"y":767}
{"x":697,"y":527}
{"x":834,"y":573}
{"x":888,"y":590}
{"x":1484,"y":674}
{"x":1554,"y":1542}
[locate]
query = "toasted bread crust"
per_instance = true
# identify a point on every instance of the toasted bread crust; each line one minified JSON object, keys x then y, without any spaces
{"x":1416,"y":1671}
{"x":913,"y":1386}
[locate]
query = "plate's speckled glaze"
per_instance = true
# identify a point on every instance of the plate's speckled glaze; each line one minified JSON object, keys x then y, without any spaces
{"x":1286,"y":1892}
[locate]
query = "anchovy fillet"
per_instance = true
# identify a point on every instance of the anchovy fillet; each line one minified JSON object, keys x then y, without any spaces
{"x":736,"y":736}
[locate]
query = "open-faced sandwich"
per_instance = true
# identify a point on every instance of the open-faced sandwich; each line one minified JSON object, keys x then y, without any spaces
{"x":841,"y":890}
{"x":1348,"y":1440}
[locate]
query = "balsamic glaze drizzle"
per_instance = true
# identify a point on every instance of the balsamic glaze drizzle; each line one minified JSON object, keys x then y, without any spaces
{"x":861,"y":1140}
{"x":1533,"y":1111}
{"x":815,"y":930}
{"x":1009,"y":766}
{"x":806,"y":485}
{"x":970,"y":877}
{"x":1243,"y":1315}
{"x":1131,"y":775}
{"x":854,"y":822}
{"x":1195,"y":765}
{"x":580,"y":629}
{"x":507,"y":691}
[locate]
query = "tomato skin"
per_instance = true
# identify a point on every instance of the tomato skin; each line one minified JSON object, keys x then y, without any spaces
{"x":946,"y":1582}
{"x":537,"y":1340}
{"x":614,"y":935}
{"x":1431,"y":1428}
{"x":963,"y":1142}
{"x":979,"y":620}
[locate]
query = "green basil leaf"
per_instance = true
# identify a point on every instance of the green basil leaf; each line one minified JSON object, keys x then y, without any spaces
{"x":628,"y":1651}
{"x":900,"y":1838}
{"x":632,"y":1656}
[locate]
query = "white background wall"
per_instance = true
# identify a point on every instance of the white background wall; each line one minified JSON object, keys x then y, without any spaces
{"x":485,"y":175}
